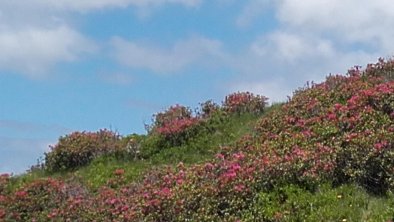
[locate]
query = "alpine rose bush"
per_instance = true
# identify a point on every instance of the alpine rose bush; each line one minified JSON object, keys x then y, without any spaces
{"x":244,"y":102}
{"x":174,"y":124}
{"x":173,"y":120}
{"x":80,"y":148}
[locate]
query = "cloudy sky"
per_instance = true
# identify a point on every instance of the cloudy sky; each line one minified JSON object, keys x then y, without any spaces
{"x":70,"y":65}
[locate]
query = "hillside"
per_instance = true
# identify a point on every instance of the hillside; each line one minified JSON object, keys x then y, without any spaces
{"x":326,"y":154}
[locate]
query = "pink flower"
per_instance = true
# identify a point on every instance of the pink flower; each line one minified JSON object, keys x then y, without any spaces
{"x":331,"y":116}
{"x":166,"y":192}
{"x":298,"y":152}
{"x":239,"y":187}
{"x":337,"y":106}
{"x":307,"y":133}
{"x":209,"y":166}
{"x":385,"y":88}
{"x":379,"y":146}
{"x":2,"y":213}
{"x":230,"y":175}
{"x":235,"y":167}
{"x":368,"y":92}
{"x":112,"y":201}
{"x":179,"y":181}
{"x":5,"y":175}
{"x":220,"y":156}
{"x":239,"y":155}
{"x":21,"y":194}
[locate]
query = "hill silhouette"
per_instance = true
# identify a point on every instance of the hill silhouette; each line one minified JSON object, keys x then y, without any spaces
{"x":326,"y":154}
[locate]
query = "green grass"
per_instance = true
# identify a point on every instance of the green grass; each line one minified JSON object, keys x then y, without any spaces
{"x":199,"y":148}
{"x":223,"y":130}
{"x":348,"y":203}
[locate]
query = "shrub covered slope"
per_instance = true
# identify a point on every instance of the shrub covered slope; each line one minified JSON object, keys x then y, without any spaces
{"x":327,"y":154}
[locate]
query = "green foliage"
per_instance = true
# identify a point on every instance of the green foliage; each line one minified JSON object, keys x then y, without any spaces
{"x":344,"y":203}
{"x":102,"y":169}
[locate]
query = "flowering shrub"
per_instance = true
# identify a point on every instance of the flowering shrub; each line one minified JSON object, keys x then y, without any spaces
{"x":338,"y":131}
{"x":79,"y":148}
{"x":174,"y":120}
{"x":4,"y":179}
{"x":383,"y":69}
{"x":174,"y":124}
{"x":35,"y":201}
{"x":208,"y":108}
{"x":244,"y":102}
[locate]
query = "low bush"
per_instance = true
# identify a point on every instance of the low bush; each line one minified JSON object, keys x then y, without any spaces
{"x":174,"y":124}
{"x":35,"y":201}
{"x":244,"y":102}
{"x":80,"y":148}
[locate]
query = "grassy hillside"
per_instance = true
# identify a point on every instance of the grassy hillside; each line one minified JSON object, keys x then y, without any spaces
{"x":326,"y":154}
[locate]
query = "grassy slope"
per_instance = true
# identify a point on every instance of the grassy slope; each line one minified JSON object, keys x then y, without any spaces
{"x":345,"y":203}
{"x":200,"y":148}
{"x":348,"y":202}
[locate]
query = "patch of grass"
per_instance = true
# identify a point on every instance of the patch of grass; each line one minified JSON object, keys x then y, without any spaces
{"x":345,"y":203}
{"x":101,"y":170}
{"x":198,"y":148}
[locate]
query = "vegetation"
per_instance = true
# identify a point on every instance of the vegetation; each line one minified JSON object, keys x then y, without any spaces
{"x":326,"y":154}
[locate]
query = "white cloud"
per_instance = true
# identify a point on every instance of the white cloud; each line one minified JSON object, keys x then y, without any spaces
{"x":349,"y":21}
{"x":277,"y":64}
{"x":313,"y":38}
{"x":89,"y":5}
{"x":33,"y":51}
{"x":251,"y":11}
{"x":291,"y":47}
{"x":195,"y":50}
{"x":117,"y":78}
{"x":36,"y":35}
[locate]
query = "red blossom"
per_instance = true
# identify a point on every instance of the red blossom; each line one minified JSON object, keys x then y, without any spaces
{"x":21,"y":194}
{"x":119,"y":172}
{"x":166,"y":192}
{"x":2,"y":213}
{"x":220,"y":156}
{"x":239,"y":155}
{"x":2,"y":198}
{"x":239,"y":187}
{"x":209,"y":166}
{"x":331,"y":116}
{"x":380,"y":145}
{"x":337,"y":106}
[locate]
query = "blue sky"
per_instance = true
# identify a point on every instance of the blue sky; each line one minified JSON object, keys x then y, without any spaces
{"x":71,"y":65}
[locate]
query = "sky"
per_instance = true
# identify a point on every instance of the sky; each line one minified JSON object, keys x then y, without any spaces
{"x":71,"y":65}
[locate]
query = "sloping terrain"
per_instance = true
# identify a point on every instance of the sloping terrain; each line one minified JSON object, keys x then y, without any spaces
{"x":327,"y":154}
